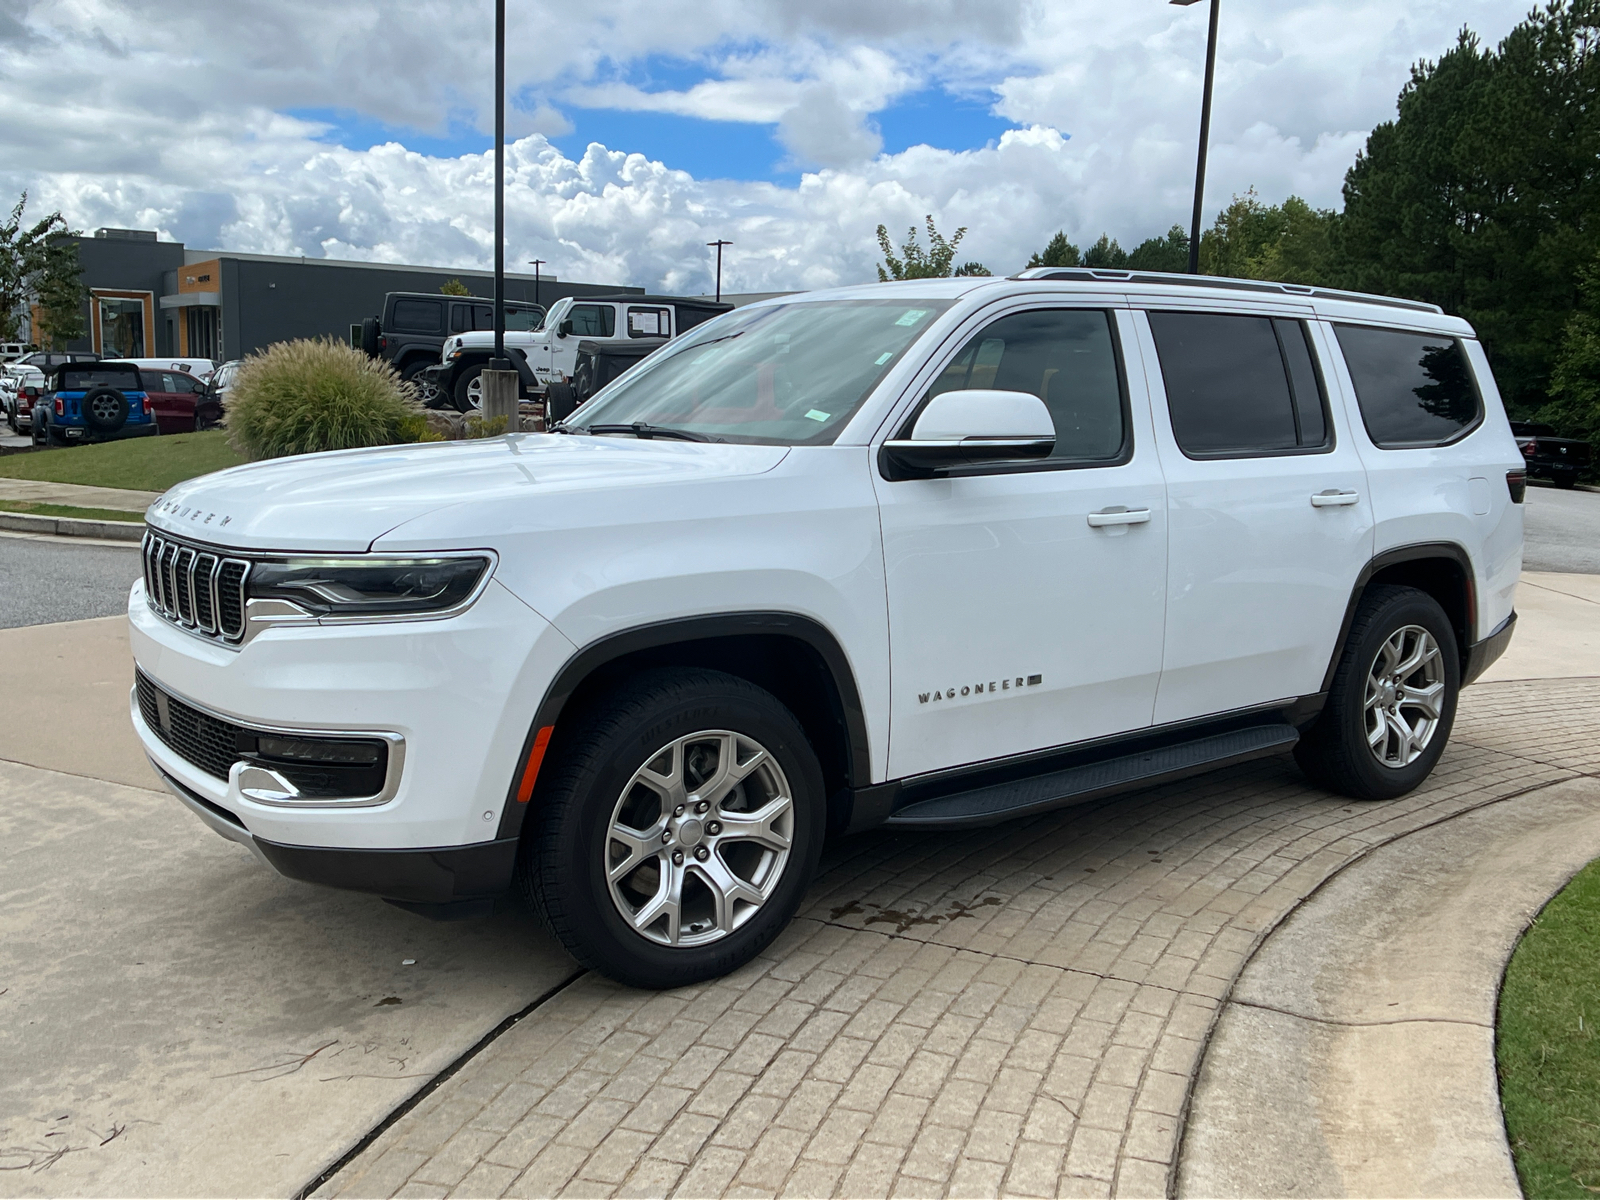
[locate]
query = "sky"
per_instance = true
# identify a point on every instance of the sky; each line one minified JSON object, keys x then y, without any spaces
{"x":639,"y":130}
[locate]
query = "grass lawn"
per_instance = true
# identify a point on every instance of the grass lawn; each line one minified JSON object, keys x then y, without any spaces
{"x":147,"y":464}
{"x":1549,"y":1057}
{"x":67,"y":510}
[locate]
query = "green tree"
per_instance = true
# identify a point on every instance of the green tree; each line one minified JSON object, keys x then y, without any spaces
{"x":39,"y":264}
{"x":1106,"y":253}
{"x":1058,"y":252}
{"x":1575,"y":383}
{"x":1481,"y":195}
{"x":454,"y":287}
{"x":1170,"y":253}
{"x":916,"y":262}
{"x":1286,"y":243}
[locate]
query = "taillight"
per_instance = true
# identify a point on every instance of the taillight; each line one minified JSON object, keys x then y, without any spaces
{"x":61,"y":409}
{"x":1528,"y":448}
{"x":1517,"y":485}
{"x":383,"y":343}
{"x":147,"y":406}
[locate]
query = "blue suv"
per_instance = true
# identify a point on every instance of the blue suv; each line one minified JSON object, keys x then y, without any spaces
{"x":92,"y":402}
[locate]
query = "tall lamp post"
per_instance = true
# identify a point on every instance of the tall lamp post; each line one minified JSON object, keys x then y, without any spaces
{"x":536,"y":263}
{"x":719,"y":244}
{"x":1205,"y":133}
{"x":498,"y":382}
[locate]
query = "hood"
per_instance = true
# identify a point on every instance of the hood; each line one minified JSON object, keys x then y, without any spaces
{"x":345,"y":500}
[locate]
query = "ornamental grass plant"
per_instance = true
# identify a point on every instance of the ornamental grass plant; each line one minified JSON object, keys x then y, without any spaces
{"x":304,"y":396}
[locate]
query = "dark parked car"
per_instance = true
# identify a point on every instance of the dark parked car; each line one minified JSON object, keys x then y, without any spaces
{"x":597,"y":365}
{"x":414,"y":325}
{"x":93,"y":402}
{"x":1560,"y":460}
{"x":182,"y":403}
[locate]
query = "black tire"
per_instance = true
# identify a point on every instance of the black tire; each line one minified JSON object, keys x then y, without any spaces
{"x":39,"y":429}
{"x":462,"y":391}
{"x":1565,"y":479}
{"x":207,"y":416}
{"x":430,"y":395}
{"x":371,"y":331}
{"x":11,"y":420}
{"x":104,"y":409}
{"x":559,"y":403}
{"x":565,"y":848}
{"x":1335,"y":752}
{"x":583,"y":383}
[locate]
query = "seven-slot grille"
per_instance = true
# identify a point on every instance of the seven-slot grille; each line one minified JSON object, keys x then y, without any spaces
{"x":195,"y":588}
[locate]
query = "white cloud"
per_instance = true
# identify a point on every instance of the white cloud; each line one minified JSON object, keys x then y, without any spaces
{"x":172,"y":117}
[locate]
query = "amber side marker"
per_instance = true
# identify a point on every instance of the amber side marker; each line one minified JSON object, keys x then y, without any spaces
{"x":531,"y":771}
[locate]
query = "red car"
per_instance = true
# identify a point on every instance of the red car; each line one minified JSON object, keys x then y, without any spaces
{"x":182,"y":403}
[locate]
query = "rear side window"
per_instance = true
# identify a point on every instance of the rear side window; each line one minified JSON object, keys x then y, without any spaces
{"x":1414,"y":389}
{"x":648,"y":322}
{"x":418,"y":316}
{"x":593,"y":320}
{"x":81,"y":379}
{"x":1064,"y":356}
{"x":1240,"y":385}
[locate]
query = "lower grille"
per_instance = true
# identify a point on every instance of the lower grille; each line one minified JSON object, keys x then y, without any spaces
{"x":320,"y":767}
{"x":199,"y":738}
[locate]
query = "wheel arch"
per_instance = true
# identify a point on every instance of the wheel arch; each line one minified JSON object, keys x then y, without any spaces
{"x":1441,"y":569}
{"x":795,"y":658}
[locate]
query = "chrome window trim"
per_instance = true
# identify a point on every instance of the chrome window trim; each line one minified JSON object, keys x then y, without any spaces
{"x":391,"y":779}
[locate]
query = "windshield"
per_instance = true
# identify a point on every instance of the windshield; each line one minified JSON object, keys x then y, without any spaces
{"x":790,"y":375}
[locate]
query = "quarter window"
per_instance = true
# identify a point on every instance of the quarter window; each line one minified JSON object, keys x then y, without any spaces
{"x":1239,"y":385}
{"x":1064,"y":356}
{"x":1413,"y":389}
{"x":648,"y":322}
{"x":418,"y":316}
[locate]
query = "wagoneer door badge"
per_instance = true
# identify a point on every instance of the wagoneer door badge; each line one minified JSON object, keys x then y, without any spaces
{"x":981,"y":689}
{"x":183,"y":512}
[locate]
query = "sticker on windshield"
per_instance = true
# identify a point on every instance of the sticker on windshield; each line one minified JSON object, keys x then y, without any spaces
{"x":883,"y":358}
{"x":912,"y":316}
{"x":817,"y":416}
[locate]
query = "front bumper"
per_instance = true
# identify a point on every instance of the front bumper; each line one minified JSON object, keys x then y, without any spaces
{"x":460,"y":692}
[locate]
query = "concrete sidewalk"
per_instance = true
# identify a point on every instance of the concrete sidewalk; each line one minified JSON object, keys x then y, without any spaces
{"x":75,"y":494}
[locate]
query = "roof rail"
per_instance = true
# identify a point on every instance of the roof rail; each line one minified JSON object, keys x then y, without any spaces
{"x":1168,"y":279}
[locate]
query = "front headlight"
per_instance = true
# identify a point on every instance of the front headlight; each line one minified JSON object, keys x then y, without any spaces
{"x":364,"y":587}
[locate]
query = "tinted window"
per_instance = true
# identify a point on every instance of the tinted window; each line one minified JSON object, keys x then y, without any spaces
{"x":81,"y":379}
{"x":417,"y":316}
{"x":183,"y":385}
{"x":1414,"y":389}
{"x":1063,"y":356}
{"x":1239,"y":384}
{"x":593,"y":320}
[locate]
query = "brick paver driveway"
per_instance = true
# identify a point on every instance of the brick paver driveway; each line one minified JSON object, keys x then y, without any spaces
{"x":1019,"y":1010}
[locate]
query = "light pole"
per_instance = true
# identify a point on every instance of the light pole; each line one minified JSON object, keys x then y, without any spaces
{"x":719,"y":244}
{"x":1205,"y":133}
{"x":536,"y":263}
{"x":499,"y":362}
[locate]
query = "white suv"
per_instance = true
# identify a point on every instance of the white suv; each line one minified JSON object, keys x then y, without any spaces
{"x":938,"y":553}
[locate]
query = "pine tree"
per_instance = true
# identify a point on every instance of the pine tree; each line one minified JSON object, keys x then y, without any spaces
{"x":1058,"y":252}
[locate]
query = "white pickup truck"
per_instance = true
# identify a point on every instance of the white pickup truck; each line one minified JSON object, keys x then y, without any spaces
{"x":549,"y":354}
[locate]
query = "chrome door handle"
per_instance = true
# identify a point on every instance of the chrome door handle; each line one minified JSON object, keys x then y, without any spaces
{"x":1119,"y":516}
{"x":1334,"y":498}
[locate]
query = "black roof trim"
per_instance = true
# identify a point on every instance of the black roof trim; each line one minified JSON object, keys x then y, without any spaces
{"x":1219,"y":282}
{"x":678,"y":301}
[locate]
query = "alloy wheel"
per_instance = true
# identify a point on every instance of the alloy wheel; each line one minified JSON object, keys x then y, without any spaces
{"x":699,"y":838}
{"x":1404,"y":696}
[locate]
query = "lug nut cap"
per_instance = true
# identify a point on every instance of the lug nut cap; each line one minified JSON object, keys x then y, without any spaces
{"x":677,"y":858}
{"x":702,"y":853}
{"x":714,"y":828}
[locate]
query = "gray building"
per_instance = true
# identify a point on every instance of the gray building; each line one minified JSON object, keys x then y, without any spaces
{"x":148,"y":298}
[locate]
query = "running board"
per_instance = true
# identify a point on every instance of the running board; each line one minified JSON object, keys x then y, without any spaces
{"x":1040,"y":793}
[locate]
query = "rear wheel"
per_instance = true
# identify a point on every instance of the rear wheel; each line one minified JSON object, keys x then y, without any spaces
{"x":1565,"y":479}
{"x":428,"y":393}
{"x":469,"y":389}
{"x":678,"y":828}
{"x":1393,"y":699}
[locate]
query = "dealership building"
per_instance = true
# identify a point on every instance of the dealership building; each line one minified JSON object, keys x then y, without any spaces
{"x":148,"y":298}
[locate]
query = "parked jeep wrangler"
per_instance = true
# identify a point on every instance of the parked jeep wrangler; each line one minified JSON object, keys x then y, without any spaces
{"x":414,"y":325}
{"x":93,"y":402}
{"x":922,"y":555}
{"x":548,"y":354}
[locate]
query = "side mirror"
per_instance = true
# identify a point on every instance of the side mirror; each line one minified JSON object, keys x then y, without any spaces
{"x":565,"y":328}
{"x":960,"y":429}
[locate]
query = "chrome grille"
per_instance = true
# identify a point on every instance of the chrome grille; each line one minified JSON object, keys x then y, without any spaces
{"x":195,"y":588}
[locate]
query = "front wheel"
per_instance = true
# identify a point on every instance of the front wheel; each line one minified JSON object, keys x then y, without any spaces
{"x":1393,"y":699}
{"x":680,"y":823}
{"x":469,"y":389}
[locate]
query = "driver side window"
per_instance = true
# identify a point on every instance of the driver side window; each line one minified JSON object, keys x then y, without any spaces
{"x":1065,"y":356}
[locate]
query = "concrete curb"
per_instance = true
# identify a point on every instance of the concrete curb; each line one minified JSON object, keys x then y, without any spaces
{"x":115,"y":531}
{"x":1355,"y":1053}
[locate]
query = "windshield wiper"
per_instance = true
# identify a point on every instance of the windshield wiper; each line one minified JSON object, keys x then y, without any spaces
{"x":640,"y":430}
